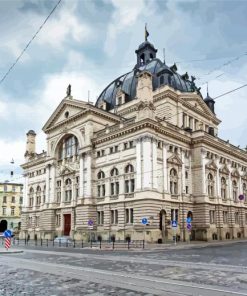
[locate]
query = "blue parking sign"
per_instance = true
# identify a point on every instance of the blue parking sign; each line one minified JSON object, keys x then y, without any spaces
{"x":174,"y":223}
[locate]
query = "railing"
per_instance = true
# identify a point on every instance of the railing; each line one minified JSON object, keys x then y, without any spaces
{"x":61,"y":243}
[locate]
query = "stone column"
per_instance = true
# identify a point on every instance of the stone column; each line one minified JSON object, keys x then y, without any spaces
{"x":25,"y":190}
{"x":155,"y":166}
{"x":165,"y":179}
{"x":47,"y":184}
{"x":147,"y":162}
{"x":52,"y":184}
{"x":204,"y":161}
{"x":218,"y":176}
{"x":183,"y":171}
{"x":138,"y":165}
{"x":89,"y":174}
{"x":81,"y":184}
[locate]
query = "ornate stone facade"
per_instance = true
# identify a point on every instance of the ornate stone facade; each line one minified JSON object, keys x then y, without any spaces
{"x":154,"y":154}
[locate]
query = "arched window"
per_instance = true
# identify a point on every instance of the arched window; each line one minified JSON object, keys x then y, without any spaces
{"x":38,"y":196}
{"x":129,"y":180}
{"x":68,"y":147}
{"x":68,"y":190}
{"x":31,"y":193}
{"x":114,"y":186}
{"x":234,"y":190}
{"x":129,"y":169}
{"x":101,"y":175}
{"x":173,"y":181}
{"x":114,"y":172}
{"x":44,"y":194}
{"x":223,"y":188}
{"x":210,"y":185}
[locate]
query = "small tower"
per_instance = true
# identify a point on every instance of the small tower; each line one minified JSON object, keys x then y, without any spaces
{"x":210,"y":102}
{"x":30,"y":144}
{"x":145,"y":52}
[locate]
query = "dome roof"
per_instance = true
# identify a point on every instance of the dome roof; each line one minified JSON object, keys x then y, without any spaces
{"x":146,"y":61}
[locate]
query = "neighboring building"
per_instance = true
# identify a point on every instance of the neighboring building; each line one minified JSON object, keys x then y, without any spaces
{"x":11,"y":198}
{"x":148,"y":148}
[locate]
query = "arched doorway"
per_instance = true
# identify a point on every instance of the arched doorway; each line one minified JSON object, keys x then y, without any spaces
{"x":3,"y":225}
{"x":163,"y":225}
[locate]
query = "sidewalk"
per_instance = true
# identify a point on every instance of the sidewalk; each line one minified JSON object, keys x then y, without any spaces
{"x":189,"y":245}
{"x":10,"y":251}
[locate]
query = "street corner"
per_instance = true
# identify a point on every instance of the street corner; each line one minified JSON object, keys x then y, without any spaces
{"x":10,"y":251}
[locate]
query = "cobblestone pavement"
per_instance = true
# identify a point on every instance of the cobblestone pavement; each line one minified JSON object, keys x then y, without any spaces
{"x":220,"y":270}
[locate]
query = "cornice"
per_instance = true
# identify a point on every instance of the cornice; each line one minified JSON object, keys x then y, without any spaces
{"x":219,"y":146}
{"x":140,"y":125}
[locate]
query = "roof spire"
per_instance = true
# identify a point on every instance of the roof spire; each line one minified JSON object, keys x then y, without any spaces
{"x":146,"y":33}
{"x":207,"y":89}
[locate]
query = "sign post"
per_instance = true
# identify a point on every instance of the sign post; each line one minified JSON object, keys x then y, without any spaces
{"x":189,"y":226}
{"x":144,"y":222}
{"x":90,"y":226}
{"x":7,"y":236}
{"x":174,"y":227}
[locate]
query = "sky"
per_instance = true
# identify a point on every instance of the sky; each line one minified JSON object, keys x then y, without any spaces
{"x":88,"y":43}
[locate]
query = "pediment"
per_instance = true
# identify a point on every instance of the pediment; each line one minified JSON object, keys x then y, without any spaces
{"x":211,"y":165}
{"x":197,"y":104}
{"x":224,"y":170}
{"x":235,"y":173}
{"x":175,"y":160}
{"x":65,"y":170}
{"x":67,"y":109}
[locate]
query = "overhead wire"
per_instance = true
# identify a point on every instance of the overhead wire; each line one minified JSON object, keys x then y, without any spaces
{"x":29,"y":43}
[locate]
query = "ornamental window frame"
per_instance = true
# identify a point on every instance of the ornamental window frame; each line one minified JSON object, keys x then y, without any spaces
{"x":234,"y":190}
{"x":173,"y":175}
{"x":223,"y":188}
{"x":68,"y":190}
{"x":210,"y":184}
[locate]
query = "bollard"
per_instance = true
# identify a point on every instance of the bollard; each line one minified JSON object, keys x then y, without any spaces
{"x":66,"y":243}
{"x":113,"y":244}
{"x":18,"y":241}
{"x":143,"y":244}
{"x":74,"y":244}
{"x":100,"y":244}
{"x":91,"y":243}
{"x":128,"y":244}
{"x":41,"y":242}
{"x":59,"y":242}
{"x":36,"y":242}
{"x":53,"y":242}
{"x":47,"y":243}
{"x":82,"y":244}
{"x":14,"y":241}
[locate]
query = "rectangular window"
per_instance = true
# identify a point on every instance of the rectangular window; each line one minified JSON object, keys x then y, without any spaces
{"x":131,"y":216}
{"x":77,"y":192}
{"x":58,"y":220}
{"x":102,"y":217}
{"x":116,"y":148}
{"x":4,"y":199}
{"x":117,"y":188}
{"x":13,"y":199}
{"x":125,"y":146}
{"x":4,"y":211}
{"x":103,"y":190}
{"x":98,"y":190}
{"x":12,"y":211}
{"x":132,"y":181}
{"x":126,"y":186}
{"x":112,"y":216}
{"x":5,"y":188}
{"x":116,"y":216}
{"x":112,"y":188}
{"x":126,"y":215}
{"x":98,"y":153}
{"x":186,"y":189}
{"x":102,"y":152}
{"x":98,"y":218}
{"x":131,"y":144}
{"x":13,"y":188}
{"x":111,"y":150}
{"x":212,"y":216}
{"x":21,"y":200}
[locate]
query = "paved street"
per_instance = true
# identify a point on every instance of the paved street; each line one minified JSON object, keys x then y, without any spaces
{"x":214,"y":270}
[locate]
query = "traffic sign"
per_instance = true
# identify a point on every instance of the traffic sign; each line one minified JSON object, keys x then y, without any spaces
{"x":189,"y":226}
{"x":188,"y":220}
{"x":144,"y":221}
{"x":174,"y":223}
{"x":7,"y":233}
{"x":241,"y":197}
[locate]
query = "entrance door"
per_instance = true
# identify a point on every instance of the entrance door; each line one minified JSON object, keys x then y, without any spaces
{"x":163,"y":225}
{"x":67,"y":224}
{"x":3,"y":225}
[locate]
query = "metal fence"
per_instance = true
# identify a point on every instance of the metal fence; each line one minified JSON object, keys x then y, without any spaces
{"x":60,"y":243}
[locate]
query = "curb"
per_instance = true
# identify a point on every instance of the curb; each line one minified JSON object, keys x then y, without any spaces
{"x":11,"y":252}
